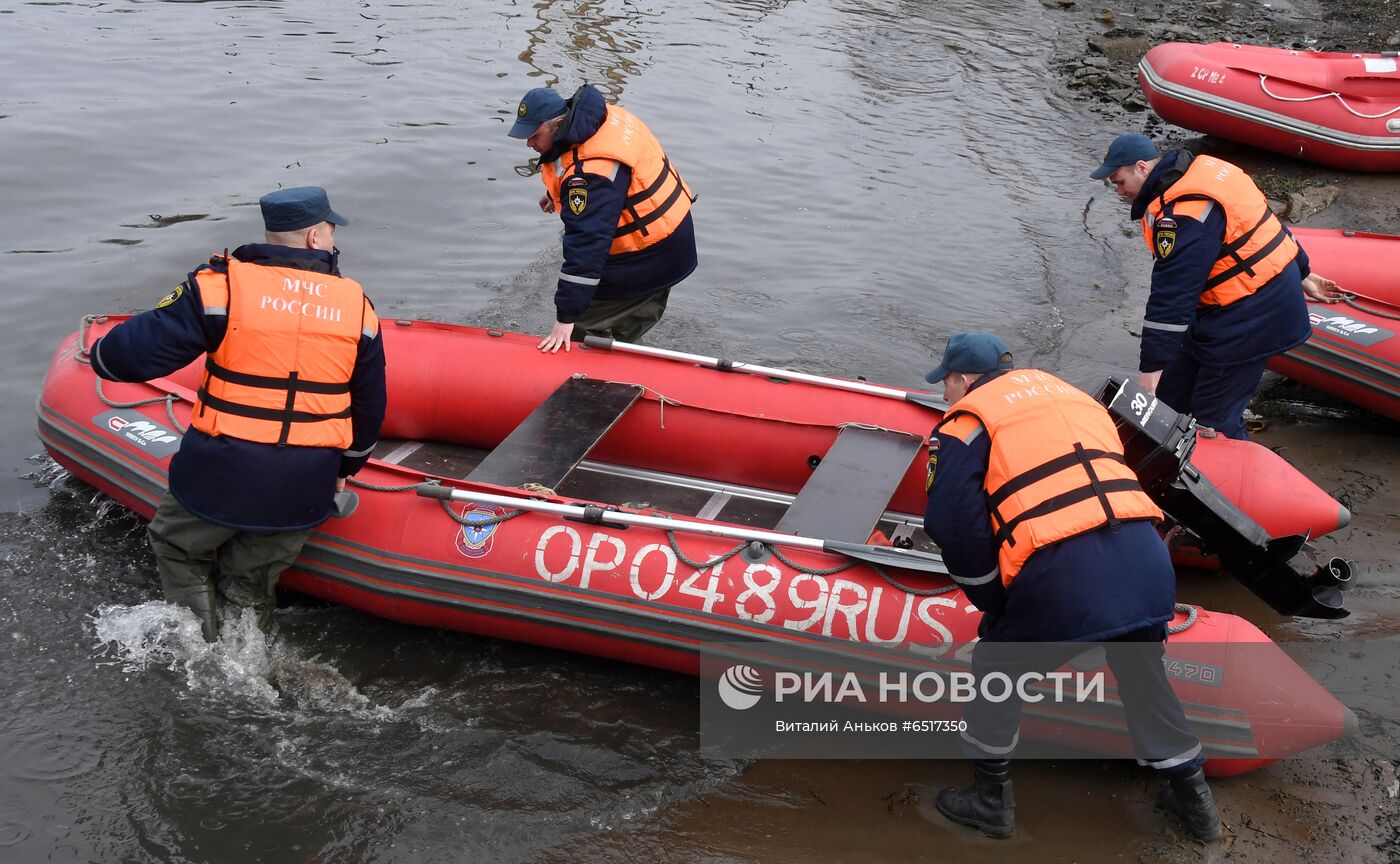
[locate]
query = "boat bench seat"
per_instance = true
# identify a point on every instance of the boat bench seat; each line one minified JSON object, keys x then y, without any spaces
{"x":851,"y":488}
{"x":556,"y":436}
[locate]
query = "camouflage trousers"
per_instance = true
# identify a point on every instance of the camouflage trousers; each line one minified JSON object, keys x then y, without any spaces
{"x":194,"y":556}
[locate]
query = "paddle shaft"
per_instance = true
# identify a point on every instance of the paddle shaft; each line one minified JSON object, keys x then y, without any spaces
{"x":592,"y":513}
{"x":926,"y":399}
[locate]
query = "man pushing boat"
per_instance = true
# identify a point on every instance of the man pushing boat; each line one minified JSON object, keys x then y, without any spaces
{"x":290,"y":404}
{"x":1050,"y":535}
{"x":628,"y":232}
{"x":1228,"y":279}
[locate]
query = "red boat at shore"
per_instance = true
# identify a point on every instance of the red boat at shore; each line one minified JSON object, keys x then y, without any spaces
{"x":1341,"y":110}
{"x":1354,"y":352}
{"x":643,"y":508}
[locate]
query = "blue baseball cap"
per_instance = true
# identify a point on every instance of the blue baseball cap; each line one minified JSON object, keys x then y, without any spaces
{"x":973,"y":353}
{"x":537,"y":106}
{"x":1126,"y":150}
{"x":298,"y":207}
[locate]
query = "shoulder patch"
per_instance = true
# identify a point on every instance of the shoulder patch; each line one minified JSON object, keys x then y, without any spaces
{"x":577,"y":181}
{"x":1166,"y":222}
{"x":578,"y":199}
{"x":1164,"y":241}
{"x":171,"y":297}
{"x":933,"y":446}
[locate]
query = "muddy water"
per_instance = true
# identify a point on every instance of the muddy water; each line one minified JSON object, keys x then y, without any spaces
{"x":872,"y":177}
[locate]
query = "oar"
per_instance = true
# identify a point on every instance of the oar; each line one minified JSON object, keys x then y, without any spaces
{"x":926,"y":399}
{"x":886,"y":556}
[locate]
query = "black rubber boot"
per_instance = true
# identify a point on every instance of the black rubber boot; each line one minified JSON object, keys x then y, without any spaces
{"x":1189,"y":797}
{"x":199,"y":599}
{"x":987,"y":804}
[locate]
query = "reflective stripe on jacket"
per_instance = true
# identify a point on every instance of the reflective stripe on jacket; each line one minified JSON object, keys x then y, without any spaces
{"x":657,"y":198}
{"x":1256,"y":248}
{"x":1056,"y":467}
{"x":282,"y":373}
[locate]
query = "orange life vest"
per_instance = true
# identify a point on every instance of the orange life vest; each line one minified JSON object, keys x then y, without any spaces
{"x":282,"y":373}
{"x":1056,"y":467}
{"x":1257,"y":247}
{"x":657,"y":198}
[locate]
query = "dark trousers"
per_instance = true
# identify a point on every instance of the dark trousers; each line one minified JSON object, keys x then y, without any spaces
{"x":1157,"y":725}
{"x":1215,"y":395}
{"x":191,"y":552}
{"x":623,"y":320}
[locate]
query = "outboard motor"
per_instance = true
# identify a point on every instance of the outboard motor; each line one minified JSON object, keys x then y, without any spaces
{"x":1158,"y":442}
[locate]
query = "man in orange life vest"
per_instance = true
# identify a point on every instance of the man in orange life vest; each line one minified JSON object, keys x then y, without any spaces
{"x":1050,"y":535}
{"x":290,"y":404}
{"x":628,"y":232}
{"x":1228,"y":279}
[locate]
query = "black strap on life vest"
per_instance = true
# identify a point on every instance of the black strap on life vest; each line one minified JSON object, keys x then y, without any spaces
{"x":1232,"y":248}
{"x":640,"y":224}
{"x":1095,"y":488}
{"x":286,"y":415}
{"x":1246,"y":265}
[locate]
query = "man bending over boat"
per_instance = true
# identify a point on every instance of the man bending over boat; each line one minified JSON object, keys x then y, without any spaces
{"x":1049,"y":534}
{"x":628,"y":232}
{"x":1228,"y":279}
{"x":290,"y":404}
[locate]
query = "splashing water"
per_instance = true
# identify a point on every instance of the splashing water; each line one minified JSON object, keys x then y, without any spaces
{"x":243,"y":662}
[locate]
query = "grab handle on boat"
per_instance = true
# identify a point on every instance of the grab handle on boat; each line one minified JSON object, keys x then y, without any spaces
{"x":928,"y":400}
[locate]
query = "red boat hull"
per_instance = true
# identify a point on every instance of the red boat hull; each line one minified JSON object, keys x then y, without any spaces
{"x":1354,"y":352}
{"x":625,"y":593}
{"x":1341,"y":110}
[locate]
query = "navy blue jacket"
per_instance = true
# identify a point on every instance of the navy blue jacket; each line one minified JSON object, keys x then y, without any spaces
{"x":589,"y":235}
{"x":1089,"y":587}
{"x":260,"y":488}
{"x":1271,"y":321}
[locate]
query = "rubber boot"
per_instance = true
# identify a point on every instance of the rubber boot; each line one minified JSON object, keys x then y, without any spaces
{"x":987,"y":804}
{"x":198,"y":599}
{"x":1189,"y":797}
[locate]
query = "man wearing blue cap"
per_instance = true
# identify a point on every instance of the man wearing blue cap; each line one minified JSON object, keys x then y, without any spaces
{"x":289,"y":405}
{"x":628,"y":233}
{"x":1050,"y":535}
{"x":1228,"y":279}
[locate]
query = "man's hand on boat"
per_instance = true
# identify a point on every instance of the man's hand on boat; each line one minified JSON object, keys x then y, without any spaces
{"x":1321,"y":289}
{"x":340,"y":484}
{"x":558,"y":335}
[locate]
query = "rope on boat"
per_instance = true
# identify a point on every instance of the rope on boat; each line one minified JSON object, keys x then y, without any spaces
{"x":1350,"y":300}
{"x":1192,"y":613}
{"x":1264,"y":85}
{"x":662,"y":399}
{"x":169,"y":399}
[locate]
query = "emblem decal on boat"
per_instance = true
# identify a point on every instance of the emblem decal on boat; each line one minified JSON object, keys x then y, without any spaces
{"x":1360,"y":332}
{"x":136,"y":429}
{"x":474,"y":540}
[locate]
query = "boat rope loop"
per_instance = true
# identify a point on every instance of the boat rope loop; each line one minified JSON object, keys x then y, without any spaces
{"x":662,"y":399}
{"x":1264,"y":85}
{"x":1192,"y":613}
{"x":169,"y":399}
{"x":1350,"y":300}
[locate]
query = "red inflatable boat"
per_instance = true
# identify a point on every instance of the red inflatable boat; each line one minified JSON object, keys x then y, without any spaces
{"x":1354,"y":352}
{"x":665,"y":506}
{"x":1341,"y":110}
